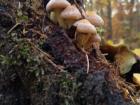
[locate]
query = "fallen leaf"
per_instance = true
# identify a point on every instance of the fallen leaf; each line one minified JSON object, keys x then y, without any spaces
{"x":126,"y":60}
{"x":136,"y":51}
{"x":136,"y":78}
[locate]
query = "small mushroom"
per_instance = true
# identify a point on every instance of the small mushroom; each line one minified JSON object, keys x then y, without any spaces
{"x":85,"y":26}
{"x":54,"y":7}
{"x":84,"y":31}
{"x":70,"y":15}
{"x":94,"y":18}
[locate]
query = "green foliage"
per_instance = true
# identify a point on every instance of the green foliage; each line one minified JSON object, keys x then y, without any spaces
{"x":20,"y":55}
{"x":100,"y":30}
{"x":5,"y":60}
{"x":24,"y":50}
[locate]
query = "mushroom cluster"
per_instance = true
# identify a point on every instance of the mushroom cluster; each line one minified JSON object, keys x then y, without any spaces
{"x":67,"y":15}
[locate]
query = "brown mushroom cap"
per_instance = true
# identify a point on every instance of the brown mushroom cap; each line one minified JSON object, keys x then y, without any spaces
{"x":71,"y":12}
{"x":57,"y":4}
{"x":94,"y":18}
{"x":84,"y":26}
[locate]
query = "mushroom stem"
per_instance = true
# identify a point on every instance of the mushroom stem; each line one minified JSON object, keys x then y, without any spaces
{"x":89,"y":43}
{"x":59,"y":19}
{"x":61,"y":22}
{"x":82,"y":40}
{"x":57,"y":15}
{"x":53,"y":17}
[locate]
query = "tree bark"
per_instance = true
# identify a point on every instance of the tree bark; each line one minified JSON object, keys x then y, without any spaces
{"x":109,"y":15}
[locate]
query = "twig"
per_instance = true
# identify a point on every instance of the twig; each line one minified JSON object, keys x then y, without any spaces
{"x":43,"y":25}
{"x":13,"y":49}
{"x":17,"y":24}
{"x":32,"y":44}
{"x":87,"y":59}
{"x":80,"y":9}
{"x":35,"y":31}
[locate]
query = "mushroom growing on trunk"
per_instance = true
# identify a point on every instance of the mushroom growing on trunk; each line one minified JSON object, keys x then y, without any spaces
{"x":94,"y":18}
{"x":85,"y":36}
{"x":85,"y":31}
{"x":54,"y":7}
{"x":70,"y":15}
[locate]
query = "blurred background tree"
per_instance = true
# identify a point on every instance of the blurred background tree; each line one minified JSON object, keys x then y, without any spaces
{"x":122,"y":19}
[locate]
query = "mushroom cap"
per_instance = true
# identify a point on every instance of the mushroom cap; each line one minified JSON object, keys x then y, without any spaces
{"x":71,"y":12}
{"x":57,"y":4}
{"x":84,"y":26}
{"x":94,"y":18}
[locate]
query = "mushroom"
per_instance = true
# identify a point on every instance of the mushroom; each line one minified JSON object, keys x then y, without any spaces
{"x":70,"y":15}
{"x":54,"y":7}
{"x":94,"y":18}
{"x":84,"y":31}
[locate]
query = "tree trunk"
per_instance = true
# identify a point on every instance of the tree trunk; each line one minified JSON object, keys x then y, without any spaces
{"x":30,"y":71}
{"x":109,"y":15}
{"x":131,"y":16}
